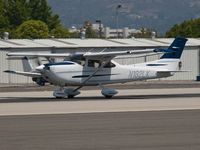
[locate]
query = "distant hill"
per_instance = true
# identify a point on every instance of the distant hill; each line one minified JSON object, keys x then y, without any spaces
{"x":156,"y":14}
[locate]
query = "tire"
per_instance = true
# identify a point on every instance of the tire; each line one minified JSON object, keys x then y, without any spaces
{"x":108,"y":96}
{"x":70,"y":96}
{"x":59,"y":97}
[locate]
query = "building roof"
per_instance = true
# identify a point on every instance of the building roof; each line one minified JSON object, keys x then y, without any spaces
{"x":84,"y":43}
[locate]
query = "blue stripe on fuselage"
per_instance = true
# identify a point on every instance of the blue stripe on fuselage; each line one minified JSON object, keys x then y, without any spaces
{"x":98,"y":75}
{"x":156,"y":65}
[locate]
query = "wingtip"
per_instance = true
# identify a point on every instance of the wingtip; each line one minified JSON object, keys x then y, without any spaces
{"x":9,"y":71}
{"x":6,"y":71}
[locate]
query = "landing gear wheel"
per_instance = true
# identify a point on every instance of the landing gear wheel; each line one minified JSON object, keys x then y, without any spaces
{"x":108,"y":92}
{"x":59,"y":97}
{"x":108,"y":96}
{"x":70,"y":96}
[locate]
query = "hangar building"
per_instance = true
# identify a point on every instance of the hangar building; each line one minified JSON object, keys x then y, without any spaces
{"x":190,"y":58}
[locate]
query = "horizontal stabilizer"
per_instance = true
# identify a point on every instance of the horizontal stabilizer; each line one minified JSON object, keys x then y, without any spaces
{"x":175,"y":71}
{"x":28,"y":74}
{"x":167,"y":73}
{"x":164,"y":50}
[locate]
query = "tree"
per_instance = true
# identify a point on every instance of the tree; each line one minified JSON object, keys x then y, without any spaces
{"x":90,"y":32}
{"x":60,"y":32}
{"x":3,"y":18}
{"x":75,"y":34}
{"x":144,"y":33}
{"x":39,"y":10}
{"x":32,"y":29}
{"x":13,"y":13}
{"x":190,"y":28}
{"x":16,"y":11}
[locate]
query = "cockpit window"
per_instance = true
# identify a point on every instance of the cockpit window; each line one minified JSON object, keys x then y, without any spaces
{"x":94,"y":63}
{"x":79,"y":59}
{"x":109,"y":65}
{"x":97,"y":63}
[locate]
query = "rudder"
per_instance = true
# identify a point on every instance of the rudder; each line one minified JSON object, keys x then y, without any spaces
{"x":177,"y":46}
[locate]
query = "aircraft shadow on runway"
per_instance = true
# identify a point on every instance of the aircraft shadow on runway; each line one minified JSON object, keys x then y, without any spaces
{"x":126,"y":97}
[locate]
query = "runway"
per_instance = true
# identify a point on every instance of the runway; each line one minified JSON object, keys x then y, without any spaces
{"x":139,"y":119}
{"x":159,"y":130}
{"x":36,"y":103}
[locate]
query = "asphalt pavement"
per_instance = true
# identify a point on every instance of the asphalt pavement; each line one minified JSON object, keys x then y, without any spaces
{"x":151,"y":84}
{"x":159,"y":130}
{"x":144,"y":116}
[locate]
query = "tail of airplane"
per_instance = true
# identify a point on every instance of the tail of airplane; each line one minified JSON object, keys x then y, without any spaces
{"x":175,"y":49}
{"x":169,"y":63}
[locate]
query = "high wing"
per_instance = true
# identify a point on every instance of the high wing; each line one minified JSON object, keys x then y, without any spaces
{"x":91,"y":55}
{"x":111,"y":55}
{"x":39,"y":54}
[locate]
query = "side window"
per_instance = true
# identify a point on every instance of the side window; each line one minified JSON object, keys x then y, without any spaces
{"x":90,"y":63}
{"x":79,"y":59}
{"x":94,"y":63}
{"x":109,"y":65}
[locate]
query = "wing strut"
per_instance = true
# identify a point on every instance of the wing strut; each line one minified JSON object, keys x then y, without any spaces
{"x":86,"y":80}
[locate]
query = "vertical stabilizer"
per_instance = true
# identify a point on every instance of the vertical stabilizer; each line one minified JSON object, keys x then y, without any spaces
{"x":26,"y":64}
{"x":170,"y":61}
{"x":177,"y":47}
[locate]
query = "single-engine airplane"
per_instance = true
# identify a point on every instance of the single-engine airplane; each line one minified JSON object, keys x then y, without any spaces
{"x":98,"y":69}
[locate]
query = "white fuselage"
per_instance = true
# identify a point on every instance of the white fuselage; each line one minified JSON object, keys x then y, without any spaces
{"x":75,"y":74}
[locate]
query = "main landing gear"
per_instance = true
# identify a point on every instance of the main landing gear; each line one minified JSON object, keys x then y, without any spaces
{"x":108,"y":92}
{"x":60,"y":93}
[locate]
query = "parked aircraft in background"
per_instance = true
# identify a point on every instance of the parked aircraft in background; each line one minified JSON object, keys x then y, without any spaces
{"x":98,"y":69}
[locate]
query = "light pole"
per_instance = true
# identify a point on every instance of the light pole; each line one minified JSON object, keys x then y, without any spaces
{"x":100,"y":28}
{"x":117,"y":19}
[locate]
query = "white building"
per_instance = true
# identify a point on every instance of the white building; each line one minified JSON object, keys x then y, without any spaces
{"x":115,"y":33}
{"x":190,"y":58}
{"x":122,"y":33}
